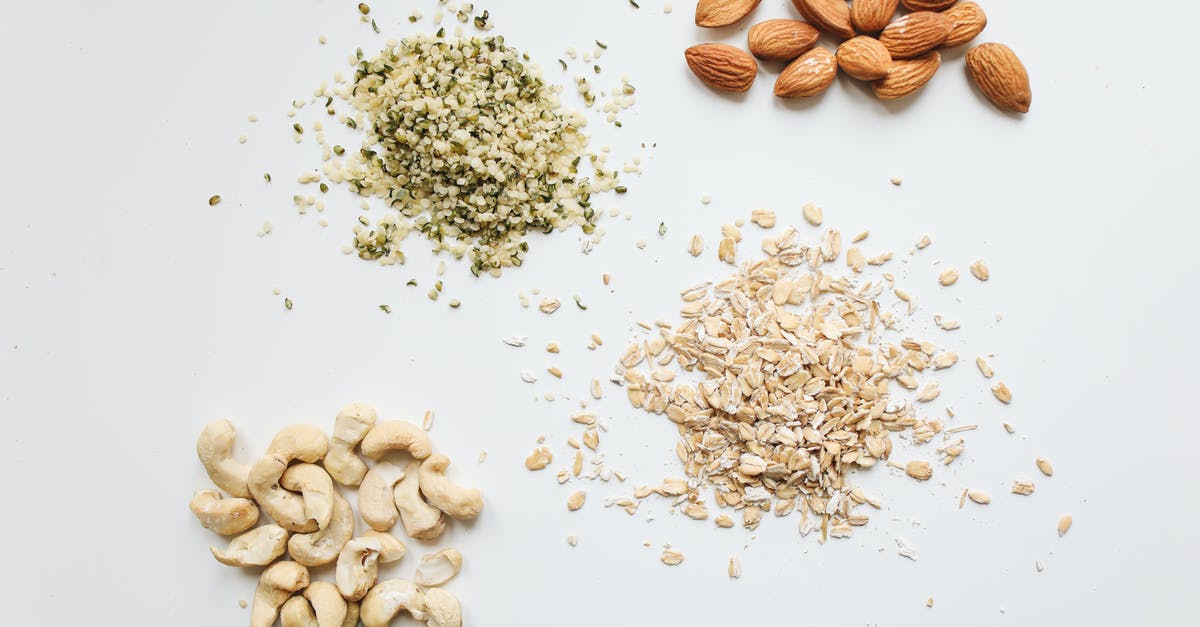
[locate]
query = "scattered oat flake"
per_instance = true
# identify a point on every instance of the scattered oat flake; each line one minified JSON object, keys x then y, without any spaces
{"x":515,"y":340}
{"x":1038,"y":566}
{"x":576,"y":500}
{"x":905,"y":549}
{"x":1002,"y":393}
{"x":727,"y":250}
{"x":980,"y":270}
{"x":572,"y":540}
{"x":427,"y":420}
{"x":764,"y":218}
{"x":671,"y":557}
{"x":1044,"y":465}
{"x":555,"y":371}
{"x":1064,"y":524}
{"x":929,"y":392}
{"x":539,"y":458}
{"x":1009,"y":428}
{"x":929,"y":602}
{"x":948,"y":277}
{"x":482,"y":455}
{"x":924,"y":241}
{"x":860,"y":237}
{"x":528,"y":376}
{"x":549,"y":305}
{"x":978,"y":496}
{"x":919,"y":470}
{"x":984,"y":368}
{"x":735,"y":567}
{"x":897,"y":181}
{"x":1023,"y":487}
{"x":696,"y":245}
{"x":813,"y":214}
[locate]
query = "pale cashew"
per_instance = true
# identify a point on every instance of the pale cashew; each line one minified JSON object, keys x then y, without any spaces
{"x":357,"y":568}
{"x":285,"y":508}
{"x":351,"y":615}
{"x":396,"y":435}
{"x":458,"y":502}
{"x":349,"y":428}
{"x":437,"y":568}
{"x":376,"y":498}
{"x":296,"y":612}
{"x":214,"y":447}
{"x":391,"y":548}
{"x":276,"y":584}
{"x":327,"y":603}
{"x":421,"y":520}
{"x":303,"y":442}
{"x":443,"y":609}
{"x":257,"y":547}
{"x":322,"y":546}
{"x":224,"y":516}
{"x":315,"y":487}
{"x":389,"y":598}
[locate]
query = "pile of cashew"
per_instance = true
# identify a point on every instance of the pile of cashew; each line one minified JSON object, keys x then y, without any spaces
{"x":293,"y":484}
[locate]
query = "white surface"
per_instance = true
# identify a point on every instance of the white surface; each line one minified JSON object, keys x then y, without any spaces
{"x":133,"y":313}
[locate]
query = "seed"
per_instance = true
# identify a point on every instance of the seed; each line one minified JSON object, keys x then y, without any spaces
{"x":979,"y":497}
{"x":1064,"y":524}
{"x":813,"y":214}
{"x":1043,"y":465}
{"x":980,"y":270}
{"x":919,"y":470}
{"x":287,"y":304}
{"x":214,"y":200}
{"x":1002,"y":393}
{"x":575,"y":501}
{"x":948,"y":276}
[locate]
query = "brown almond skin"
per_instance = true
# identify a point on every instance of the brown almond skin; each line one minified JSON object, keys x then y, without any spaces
{"x":807,"y":76}
{"x":717,"y":13}
{"x":907,"y":77}
{"x":928,"y":5}
{"x":722,"y":67}
{"x":864,"y":58}
{"x":915,"y":34}
{"x":967,"y":20}
{"x":830,"y":16}
{"x":781,"y":40}
{"x":870,"y":16}
{"x":1001,"y":76}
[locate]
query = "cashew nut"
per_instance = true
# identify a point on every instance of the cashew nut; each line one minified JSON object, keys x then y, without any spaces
{"x":421,"y":520}
{"x":296,"y":612}
{"x":316,"y":489}
{"x":436,"y":569}
{"x":357,"y":568}
{"x":285,"y":508}
{"x":327,"y":603}
{"x":458,"y":502}
{"x":322,"y":546}
{"x":388,"y":598}
{"x":376,"y":498}
{"x":214,"y":447}
{"x":257,"y":547}
{"x":276,"y":584}
{"x":391,"y":548}
{"x":349,"y":428}
{"x":224,"y":516}
{"x":351,"y":615}
{"x":443,"y":609}
{"x":303,"y":442}
{"x":396,"y":435}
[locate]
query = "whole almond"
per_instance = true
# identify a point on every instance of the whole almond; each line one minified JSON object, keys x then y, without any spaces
{"x":967,"y":20}
{"x":870,"y":16}
{"x":831,"y":16}
{"x":715,"y":13}
{"x":1000,"y":76}
{"x":722,"y":67}
{"x":915,"y":34}
{"x":928,"y":5}
{"x":864,"y":58}
{"x":807,"y":76}
{"x":781,"y":40}
{"x":907,"y":77}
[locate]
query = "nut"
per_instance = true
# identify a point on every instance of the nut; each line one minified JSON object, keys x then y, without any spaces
{"x":224,"y":516}
{"x":420,"y":519}
{"x":915,"y":34}
{"x":376,"y":496}
{"x":349,"y":428}
{"x":436,"y":569}
{"x":214,"y":447}
{"x":327,"y":603}
{"x":1001,"y":77}
{"x":285,"y":508}
{"x":807,"y":76}
{"x":315,"y":487}
{"x":396,"y":435}
{"x":442,"y":608}
{"x":928,"y":5}
{"x":299,"y":442}
{"x":456,"y":501}
{"x":967,"y":20}
{"x":275,"y":585}
{"x":391,"y":549}
{"x":297,"y":612}
{"x":831,"y":16}
{"x":388,"y":598}
{"x":870,"y":16}
{"x":722,"y":67}
{"x":357,"y":568}
{"x":864,"y":58}
{"x":257,"y":547}
{"x":322,"y":546}
{"x":716,"y":13}
{"x":907,"y":77}
{"x":781,"y":40}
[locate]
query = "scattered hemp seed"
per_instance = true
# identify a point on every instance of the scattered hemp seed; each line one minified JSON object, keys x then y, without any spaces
{"x":267,"y":176}
{"x":214,"y":200}
{"x":242,"y":603}
{"x":455,"y":303}
{"x":635,"y":5}
{"x":897,"y":181}
{"x":287,"y":304}
{"x":579,"y":302}
{"x":433,"y":294}
{"x":411,"y":283}
{"x":662,"y":229}
{"x":364,"y":8}
{"x":387,"y":309}
{"x":667,"y":8}
{"x":322,"y":40}
{"x":374,"y":26}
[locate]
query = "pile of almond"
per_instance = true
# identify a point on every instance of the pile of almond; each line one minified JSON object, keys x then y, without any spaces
{"x":898,"y":55}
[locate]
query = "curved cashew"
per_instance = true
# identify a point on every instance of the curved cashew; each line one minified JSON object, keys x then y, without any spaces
{"x":351,"y":615}
{"x":214,"y":447}
{"x":296,"y":612}
{"x":438,"y":568}
{"x":396,"y":435}
{"x":349,"y":428}
{"x":276,"y":584}
{"x":327,"y":603}
{"x":224,"y":516}
{"x":285,"y":508}
{"x":357,"y":568}
{"x":391,"y":548}
{"x":323,"y":545}
{"x":257,"y":547}
{"x":421,"y":520}
{"x":315,"y":487}
{"x":303,"y":442}
{"x":388,"y":598}
{"x":376,"y":499}
{"x":458,"y":502}
{"x":443,"y":609}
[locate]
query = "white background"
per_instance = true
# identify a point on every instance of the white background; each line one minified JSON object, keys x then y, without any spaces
{"x":133,"y":313}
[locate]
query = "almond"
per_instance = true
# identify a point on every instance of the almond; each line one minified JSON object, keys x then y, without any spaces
{"x":781,"y":40}
{"x":928,"y":5}
{"x":807,"y":76}
{"x":831,"y":16}
{"x":1000,"y":75}
{"x":915,"y":34}
{"x":715,"y":13}
{"x":722,"y":67}
{"x":906,"y":77}
{"x":870,"y":16}
{"x":864,"y":58}
{"x":967,"y":20}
